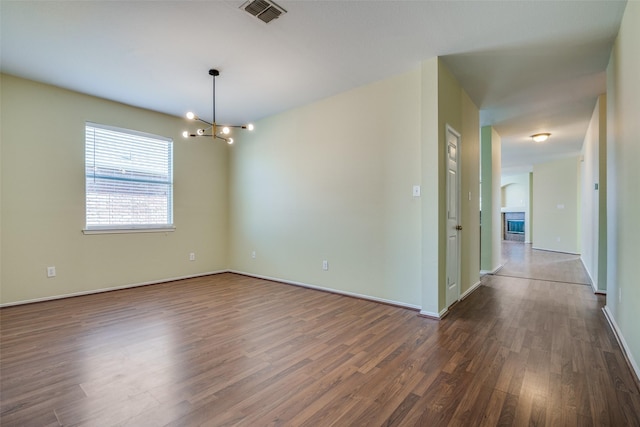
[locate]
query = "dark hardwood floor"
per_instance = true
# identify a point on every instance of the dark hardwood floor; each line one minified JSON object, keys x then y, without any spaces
{"x":234,"y":350}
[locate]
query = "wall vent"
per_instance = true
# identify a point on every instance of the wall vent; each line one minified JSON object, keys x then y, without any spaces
{"x":264,"y":10}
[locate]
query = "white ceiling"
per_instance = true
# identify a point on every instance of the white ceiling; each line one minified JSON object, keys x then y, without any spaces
{"x":530,"y":66}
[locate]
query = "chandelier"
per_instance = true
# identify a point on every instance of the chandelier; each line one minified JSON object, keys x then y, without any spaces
{"x":214,"y":130}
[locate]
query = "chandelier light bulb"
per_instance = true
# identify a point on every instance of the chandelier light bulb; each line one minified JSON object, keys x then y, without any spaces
{"x":185,"y":134}
{"x":200,"y":132}
{"x":250,"y":126}
{"x":226,"y":130}
{"x":190,"y":115}
{"x":230,"y":141}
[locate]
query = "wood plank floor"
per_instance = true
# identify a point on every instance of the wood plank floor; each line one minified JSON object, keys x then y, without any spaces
{"x":234,"y":350}
{"x":520,"y":260}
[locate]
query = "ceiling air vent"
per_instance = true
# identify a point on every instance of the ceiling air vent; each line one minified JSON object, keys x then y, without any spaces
{"x":264,"y":10}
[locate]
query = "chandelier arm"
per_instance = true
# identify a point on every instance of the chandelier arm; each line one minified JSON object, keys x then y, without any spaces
{"x":204,"y":121}
{"x":213,"y":126}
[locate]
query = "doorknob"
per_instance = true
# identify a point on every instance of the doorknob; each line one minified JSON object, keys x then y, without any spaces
{"x":458,"y":227}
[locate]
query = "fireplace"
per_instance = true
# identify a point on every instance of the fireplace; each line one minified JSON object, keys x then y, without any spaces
{"x":513,"y":226}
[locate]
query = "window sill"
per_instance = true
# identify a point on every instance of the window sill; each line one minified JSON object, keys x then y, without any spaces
{"x":128,"y":230}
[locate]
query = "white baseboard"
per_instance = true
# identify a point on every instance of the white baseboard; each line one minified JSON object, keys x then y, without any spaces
{"x":470,"y":290}
{"x":593,"y":286}
{"x":494,"y":271}
{"x":171,"y":279}
{"x":444,"y":311}
{"x":591,"y":282}
{"x":438,"y":316}
{"x":331,"y":290}
{"x":432,"y":315}
{"x":115,"y":288}
{"x":621,"y":341}
{"x":555,"y":250}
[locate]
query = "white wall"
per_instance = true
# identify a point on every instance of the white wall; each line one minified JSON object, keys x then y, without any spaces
{"x":623,"y":183}
{"x":555,"y":209}
{"x":513,"y":195}
{"x":43,"y":199}
{"x":593,"y":242}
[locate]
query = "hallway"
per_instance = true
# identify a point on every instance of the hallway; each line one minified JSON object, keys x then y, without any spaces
{"x":564,"y":358}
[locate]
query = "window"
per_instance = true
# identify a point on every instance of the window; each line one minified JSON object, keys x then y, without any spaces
{"x":129,"y":179}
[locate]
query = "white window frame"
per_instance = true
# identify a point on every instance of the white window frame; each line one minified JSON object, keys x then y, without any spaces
{"x":134,"y":173}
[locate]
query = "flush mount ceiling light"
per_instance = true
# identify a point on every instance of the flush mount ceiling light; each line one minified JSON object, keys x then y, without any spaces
{"x":214,"y":130}
{"x":540,"y":137}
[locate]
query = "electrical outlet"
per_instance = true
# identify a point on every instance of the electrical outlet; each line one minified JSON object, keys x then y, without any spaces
{"x":51,"y":272}
{"x":325,"y":265}
{"x":253,"y":254}
{"x":192,"y":256}
{"x":416,"y":191}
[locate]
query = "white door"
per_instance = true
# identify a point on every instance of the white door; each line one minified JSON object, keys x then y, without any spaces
{"x":453,"y":217}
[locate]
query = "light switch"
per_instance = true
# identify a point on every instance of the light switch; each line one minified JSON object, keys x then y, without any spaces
{"x":416,"y":191}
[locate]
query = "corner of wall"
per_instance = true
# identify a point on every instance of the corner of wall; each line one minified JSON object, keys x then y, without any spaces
{"x":491,"y":238}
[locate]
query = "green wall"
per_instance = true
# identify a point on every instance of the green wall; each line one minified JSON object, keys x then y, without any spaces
{"x":431,"y":172}
{"x":593,"y":242}
{"x":332,"y":181}
{"x":470,"y":195}
{"x":556,"y":191}
{"x":42,"y":208}
{"x":490,"y":167}
{"x":455,"y":109}
{"x":623,"y":179}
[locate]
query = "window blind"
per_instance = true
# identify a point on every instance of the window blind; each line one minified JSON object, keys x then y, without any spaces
{"x":129,"y":179}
